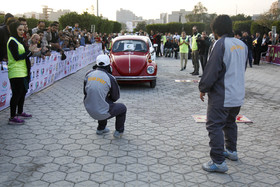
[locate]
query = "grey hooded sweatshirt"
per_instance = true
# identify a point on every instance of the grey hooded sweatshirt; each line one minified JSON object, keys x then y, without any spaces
{"x":101,"y":90}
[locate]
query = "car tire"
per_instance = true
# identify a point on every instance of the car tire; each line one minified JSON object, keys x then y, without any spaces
{"x":153,"y":83}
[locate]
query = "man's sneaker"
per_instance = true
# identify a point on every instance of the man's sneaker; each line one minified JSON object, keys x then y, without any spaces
{"x":118,"y":134}
{"x":232,"y":155}
{"x":100,"y":132}
{"x":213,"y":167}
{"x":24,"y":115}
{"x":16,"y":121}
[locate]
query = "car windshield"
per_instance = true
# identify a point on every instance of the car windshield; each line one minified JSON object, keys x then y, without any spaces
{"x":129,"y":45}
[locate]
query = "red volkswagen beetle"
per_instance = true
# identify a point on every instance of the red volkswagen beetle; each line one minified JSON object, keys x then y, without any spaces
{"x":133,"y":60}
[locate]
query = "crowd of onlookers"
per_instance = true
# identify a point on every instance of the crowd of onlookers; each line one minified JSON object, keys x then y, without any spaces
{"x":257,"y":44}
{"x":167,"y":44}
{"x":50,"y":38}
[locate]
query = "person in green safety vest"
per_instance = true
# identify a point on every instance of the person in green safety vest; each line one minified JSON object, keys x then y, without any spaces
{"x":163,"y":39}
{"x":18,"y":71}
{"x":195,"y":54}
{"x":109,"y":45}
{"x":183,"y":49}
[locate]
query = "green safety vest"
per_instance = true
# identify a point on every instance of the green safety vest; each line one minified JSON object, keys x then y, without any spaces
{"x":16,"y":68}
{"x":164,"y":39}
{"x":194,"y":43}
{"x":184,"y":48}
{"x":110,"y":45}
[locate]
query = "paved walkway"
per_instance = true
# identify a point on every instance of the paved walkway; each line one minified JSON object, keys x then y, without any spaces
{"x":162,"y":145}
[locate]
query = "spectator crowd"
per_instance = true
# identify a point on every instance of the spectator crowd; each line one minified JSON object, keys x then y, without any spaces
{"x":198,"y":45}
{"x":50,"y":38}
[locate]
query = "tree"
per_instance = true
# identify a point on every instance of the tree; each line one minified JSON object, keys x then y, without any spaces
{"x":117,"y":27}
{"x":242,"y":26}
{"x":85,"y":21}
{"x":123,"y":27}
{"x":240,"y":17}
{"x":208,"y":21}
{"x":141,"y":26}
{"x":266,"y":19}
{"x":255,"y":27}
{"x":69,"y":19}
{"x":199,"y":13}
{"x":274,"y":12}
{"x":1,"y":19}
{"x":188,"y":27}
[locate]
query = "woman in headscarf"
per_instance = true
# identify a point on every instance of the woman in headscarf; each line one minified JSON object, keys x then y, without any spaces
{"x":18,"y":71}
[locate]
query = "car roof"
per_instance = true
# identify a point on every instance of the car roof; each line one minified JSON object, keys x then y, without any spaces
{"x":132,"y":37}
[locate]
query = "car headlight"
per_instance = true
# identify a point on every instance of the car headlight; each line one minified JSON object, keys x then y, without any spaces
{"x":150,"y":69}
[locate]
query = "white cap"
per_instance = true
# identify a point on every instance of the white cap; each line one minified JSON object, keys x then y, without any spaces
{"x":102,"y":60}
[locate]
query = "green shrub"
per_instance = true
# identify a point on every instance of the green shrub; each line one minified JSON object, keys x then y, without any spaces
{"x":243,"y":26}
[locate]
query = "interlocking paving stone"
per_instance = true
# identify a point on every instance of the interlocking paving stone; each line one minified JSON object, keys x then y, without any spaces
{"x":78,"y":176}
{"x":161,"y":146}
{"x":54,"y":176}
{"x":62,"y":184}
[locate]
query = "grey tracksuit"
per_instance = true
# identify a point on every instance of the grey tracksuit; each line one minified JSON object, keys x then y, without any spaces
{"x":223,"y":80}
{"x":101,"y":91}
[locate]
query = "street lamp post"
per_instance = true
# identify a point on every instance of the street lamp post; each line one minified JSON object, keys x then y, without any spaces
{"x":97,"y":8}
{"x":180,"y":16}
{"x":180,"y":20}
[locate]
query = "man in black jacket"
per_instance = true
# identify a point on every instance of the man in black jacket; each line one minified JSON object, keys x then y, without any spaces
{"x":168,"y":47}
{"x":257,"y":43}
{"x":248,"y":41}
{"x":158,"y":42}
{"x":175,"y":48}
{"x":203,"y":46}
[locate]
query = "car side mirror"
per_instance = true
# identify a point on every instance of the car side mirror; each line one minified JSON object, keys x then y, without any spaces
{"x":152,"y":50}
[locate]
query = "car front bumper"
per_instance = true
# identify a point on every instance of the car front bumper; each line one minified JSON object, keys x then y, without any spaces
{"x":136,"y":78}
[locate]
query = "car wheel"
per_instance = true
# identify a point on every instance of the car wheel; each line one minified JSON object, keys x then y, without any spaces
{"x":153,"y":83}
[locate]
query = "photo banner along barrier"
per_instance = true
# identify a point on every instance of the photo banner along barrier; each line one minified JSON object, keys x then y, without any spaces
{"x":45,"y":72}
{"x":273,"y":54}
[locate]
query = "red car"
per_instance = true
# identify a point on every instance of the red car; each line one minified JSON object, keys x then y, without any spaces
{"x":133,"y":60}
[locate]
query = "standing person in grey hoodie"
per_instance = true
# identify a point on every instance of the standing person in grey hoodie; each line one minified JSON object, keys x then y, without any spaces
{"x":224,"y":81}
{"x":101,"y":91}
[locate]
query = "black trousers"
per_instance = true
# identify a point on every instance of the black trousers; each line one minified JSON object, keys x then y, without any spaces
{"x":222,"y":131}
{"x":257,"y":57}
{"x":195,"y":61}
{"x":117,"y":110}
{"x":18,"y":95}
{"x":158,"y":51}
{"x":176,"y":53}
{"x":203,"y":60}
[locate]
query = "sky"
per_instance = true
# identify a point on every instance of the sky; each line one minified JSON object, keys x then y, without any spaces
{"x":148,"y":9}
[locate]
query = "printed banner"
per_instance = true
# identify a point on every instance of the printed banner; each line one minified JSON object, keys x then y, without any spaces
{"x":5,"y":90}
{"x":273,"y":54}
{"x":239,"y":119}
{"x":45,"y":72}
